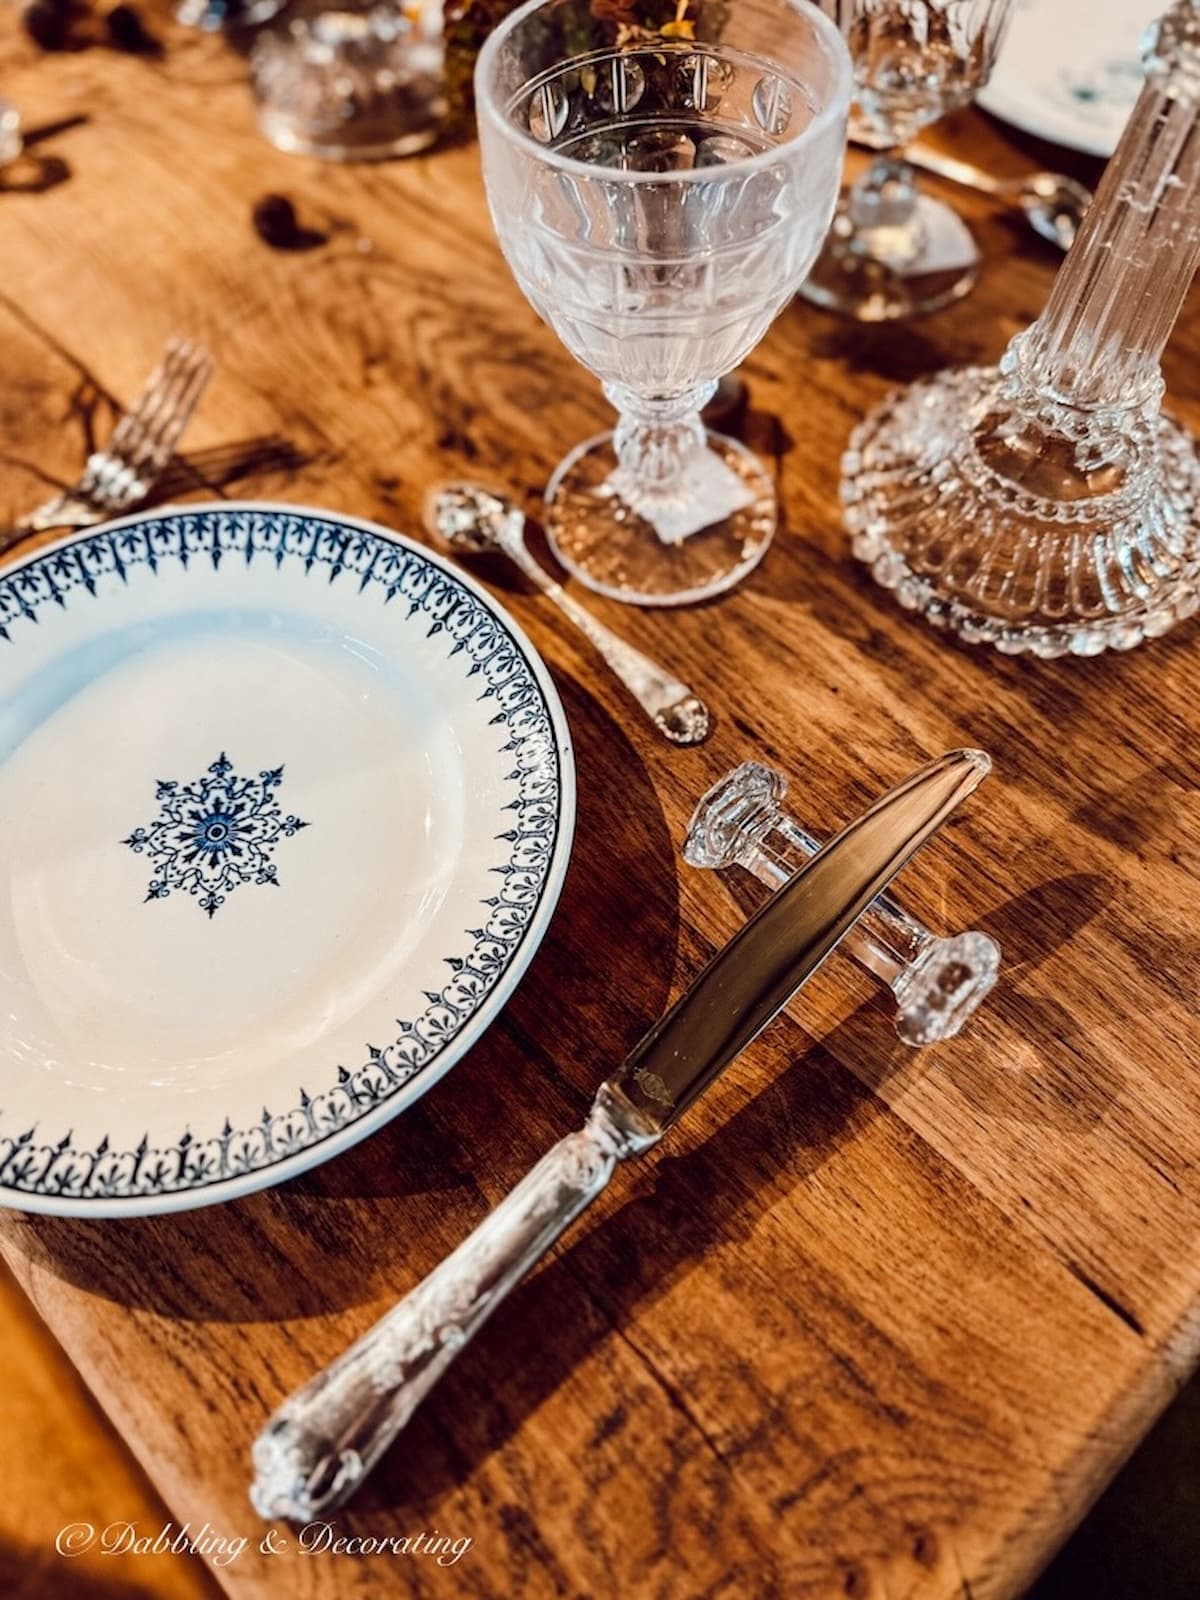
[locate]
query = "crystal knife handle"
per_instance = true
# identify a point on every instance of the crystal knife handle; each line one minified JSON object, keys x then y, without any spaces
{"x":327,"y":1436}
{"x":938,"y":982}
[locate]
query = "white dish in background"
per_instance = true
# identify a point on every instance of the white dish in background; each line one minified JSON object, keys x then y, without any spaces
{"x":1070,"y":70}
{"x":287,"y":807}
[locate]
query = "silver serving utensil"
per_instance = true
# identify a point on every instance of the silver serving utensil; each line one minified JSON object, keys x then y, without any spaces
{"x":322,"y":1441}
{"x":1054,"y":203}
{"x":120,"y":476}
{"x":471,"y":520}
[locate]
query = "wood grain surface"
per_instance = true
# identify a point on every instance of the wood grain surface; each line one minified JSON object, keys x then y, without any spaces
{"x":876,"y":1323}
{"x":62,"y":1465}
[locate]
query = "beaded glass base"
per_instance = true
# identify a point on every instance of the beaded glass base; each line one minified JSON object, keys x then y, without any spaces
{"x":1047,"y":504}
{"x":1036,"y":555}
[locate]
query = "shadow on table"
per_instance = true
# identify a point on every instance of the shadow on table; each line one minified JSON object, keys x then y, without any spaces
{"x":335,"y":1237}
{"x":31,"y":174}
{"x":222,"y":465}
{"x":678,"y":1210}
{"x":901,"y":352}
{"x":1142,"y":1538}
{"x":687,"y":1205}
{"x":44,"y":1575}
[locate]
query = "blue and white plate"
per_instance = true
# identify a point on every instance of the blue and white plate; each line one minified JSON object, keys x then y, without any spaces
{"x":1070,"y":70}
{"x":287,"y":805}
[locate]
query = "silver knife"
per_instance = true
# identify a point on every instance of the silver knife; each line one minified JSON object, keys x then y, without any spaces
{"x":327,"y":1436}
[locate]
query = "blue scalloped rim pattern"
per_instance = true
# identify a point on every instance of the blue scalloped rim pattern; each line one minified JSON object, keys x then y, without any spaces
{"x":488,"y":650}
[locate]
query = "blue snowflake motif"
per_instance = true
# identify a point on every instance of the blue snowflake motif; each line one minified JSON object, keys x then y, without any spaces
{"x":212,"y":835}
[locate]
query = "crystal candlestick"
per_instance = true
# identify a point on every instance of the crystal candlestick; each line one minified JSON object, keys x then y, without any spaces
{"x":938,"y":982}
{"x":1047,"y":505}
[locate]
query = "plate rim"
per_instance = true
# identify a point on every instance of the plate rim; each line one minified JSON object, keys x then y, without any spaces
{"x":1008,"y":97}
{"x":340,"y":1140}
{"x":1008,"y":107}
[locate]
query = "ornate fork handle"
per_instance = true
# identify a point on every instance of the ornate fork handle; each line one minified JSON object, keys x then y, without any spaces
{"x":329,"y":1434}
{"x":670,"y":704}
{"x":107,"y":487}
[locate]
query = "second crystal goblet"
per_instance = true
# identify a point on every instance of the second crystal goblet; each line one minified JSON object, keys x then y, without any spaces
{"x":660,"y":187}
{"x":894,"y":251}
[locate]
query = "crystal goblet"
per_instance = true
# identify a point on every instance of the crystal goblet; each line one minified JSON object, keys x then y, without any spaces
{"x":660,"y":188}
{"x":893,"y":250}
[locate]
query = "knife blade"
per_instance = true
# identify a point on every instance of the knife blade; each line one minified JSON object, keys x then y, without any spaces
{"x":751,"y":980}
{"x":326,"y":1437}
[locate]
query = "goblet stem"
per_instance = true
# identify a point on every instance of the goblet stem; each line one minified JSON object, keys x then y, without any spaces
{"x":657,"y":439}
{"x":882,"y":206}
{"x":660,"y":511}
{"x":894,"y":251}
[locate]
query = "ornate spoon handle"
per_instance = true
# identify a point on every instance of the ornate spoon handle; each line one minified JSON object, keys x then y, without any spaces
{"x":326,"y":1437}
{"x":961,"y":172}
{"x":677,"y":713}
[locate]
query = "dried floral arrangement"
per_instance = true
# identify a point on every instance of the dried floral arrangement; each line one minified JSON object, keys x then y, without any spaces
{"x":619,"y":22}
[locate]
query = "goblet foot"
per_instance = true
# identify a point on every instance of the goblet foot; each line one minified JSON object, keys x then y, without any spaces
{"x":631,"y":547}
{"x":883,"y":274}
{"x":1051,"y":560}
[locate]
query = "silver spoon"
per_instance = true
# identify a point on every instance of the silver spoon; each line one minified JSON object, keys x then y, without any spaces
{"x":471,"y":519}
{"x":1053,"y":203}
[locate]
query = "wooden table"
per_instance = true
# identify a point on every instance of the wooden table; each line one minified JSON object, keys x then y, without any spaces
{"x":876,"y":1322}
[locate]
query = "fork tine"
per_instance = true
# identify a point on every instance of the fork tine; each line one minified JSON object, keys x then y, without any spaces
{"x":129,"y":426}
{"x":150,"y":442}
{"x":147,"y":404}
{"x":174,"y":419}
{"x":139,"y":451}
{"x":161,"y":401}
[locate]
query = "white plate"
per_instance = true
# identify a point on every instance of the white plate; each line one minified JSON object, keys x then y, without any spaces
{"x":1070,"y":70}
{"x":287,"y":804}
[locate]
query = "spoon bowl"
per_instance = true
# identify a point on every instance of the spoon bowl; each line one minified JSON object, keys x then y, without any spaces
{"x":1055,"y":206}
{"x":471,"y":519}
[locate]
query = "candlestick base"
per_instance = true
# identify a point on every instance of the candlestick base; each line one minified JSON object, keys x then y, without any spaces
{"x":1041,"y":533}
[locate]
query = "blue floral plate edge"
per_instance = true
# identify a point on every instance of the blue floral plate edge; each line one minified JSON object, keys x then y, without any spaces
{"x":337,"y":1143}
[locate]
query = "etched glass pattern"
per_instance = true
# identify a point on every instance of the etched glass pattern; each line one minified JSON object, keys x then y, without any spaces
{"x":659,"y":198}
{"x":894,"y":251}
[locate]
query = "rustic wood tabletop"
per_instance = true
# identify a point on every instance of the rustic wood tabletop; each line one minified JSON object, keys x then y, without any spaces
{"x":875,"y":1322}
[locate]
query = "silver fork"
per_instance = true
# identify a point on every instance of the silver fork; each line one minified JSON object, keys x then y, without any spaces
{"x":120,"y":476}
